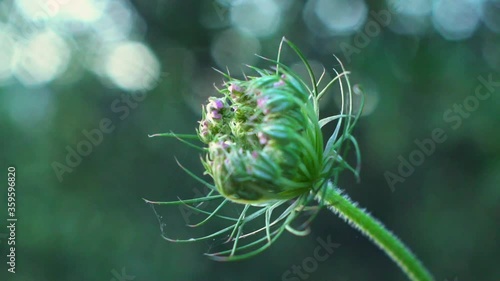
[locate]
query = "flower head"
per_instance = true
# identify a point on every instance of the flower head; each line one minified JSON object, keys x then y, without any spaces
{"x":274,"y":132}
{"x":264,"y":150}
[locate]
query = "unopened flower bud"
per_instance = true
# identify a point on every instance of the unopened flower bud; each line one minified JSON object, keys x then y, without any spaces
{"x":267,"y":128}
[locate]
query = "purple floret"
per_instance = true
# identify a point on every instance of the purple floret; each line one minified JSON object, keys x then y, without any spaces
{"x":234,"y":88}
{"x":216,"y":115}
{"x":216,"y":104}
{"x":279,"y":84}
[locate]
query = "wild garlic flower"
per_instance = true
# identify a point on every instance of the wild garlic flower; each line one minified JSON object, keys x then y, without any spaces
{"x":264,"y":150}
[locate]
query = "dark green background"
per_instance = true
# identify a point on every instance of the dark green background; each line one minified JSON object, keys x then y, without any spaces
{"x":94,"y":222}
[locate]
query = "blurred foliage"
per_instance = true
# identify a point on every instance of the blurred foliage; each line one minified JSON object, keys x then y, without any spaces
{"x":82,"y":64}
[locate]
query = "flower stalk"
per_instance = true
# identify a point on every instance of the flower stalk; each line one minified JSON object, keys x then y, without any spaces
{"x":369,"y":226}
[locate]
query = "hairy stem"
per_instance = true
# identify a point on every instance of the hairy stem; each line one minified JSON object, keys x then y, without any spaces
{"x":341,"y":205}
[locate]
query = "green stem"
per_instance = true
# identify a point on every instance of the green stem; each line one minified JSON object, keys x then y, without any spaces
{"x":341,"y":205}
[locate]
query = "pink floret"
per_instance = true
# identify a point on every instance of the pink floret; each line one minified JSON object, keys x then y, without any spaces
{"x":234,"y":88}
{"x":279,"y":84}
{"x":216,"y":115}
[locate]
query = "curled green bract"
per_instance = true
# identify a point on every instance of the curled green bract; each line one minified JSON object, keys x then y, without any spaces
{"x":264,"y":149}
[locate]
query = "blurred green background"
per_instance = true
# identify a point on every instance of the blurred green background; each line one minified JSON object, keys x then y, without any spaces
{"x":69,"y":69}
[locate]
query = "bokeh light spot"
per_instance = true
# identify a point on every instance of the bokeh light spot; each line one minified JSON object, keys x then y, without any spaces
{"x":455,"y":19}
{"x":341,"y":16}
{"x":41,"y":59}
{"x":132,"y":66}
{"x":257,"y":17}
{"x":79,"y":10}
{"x":411,"y":7}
